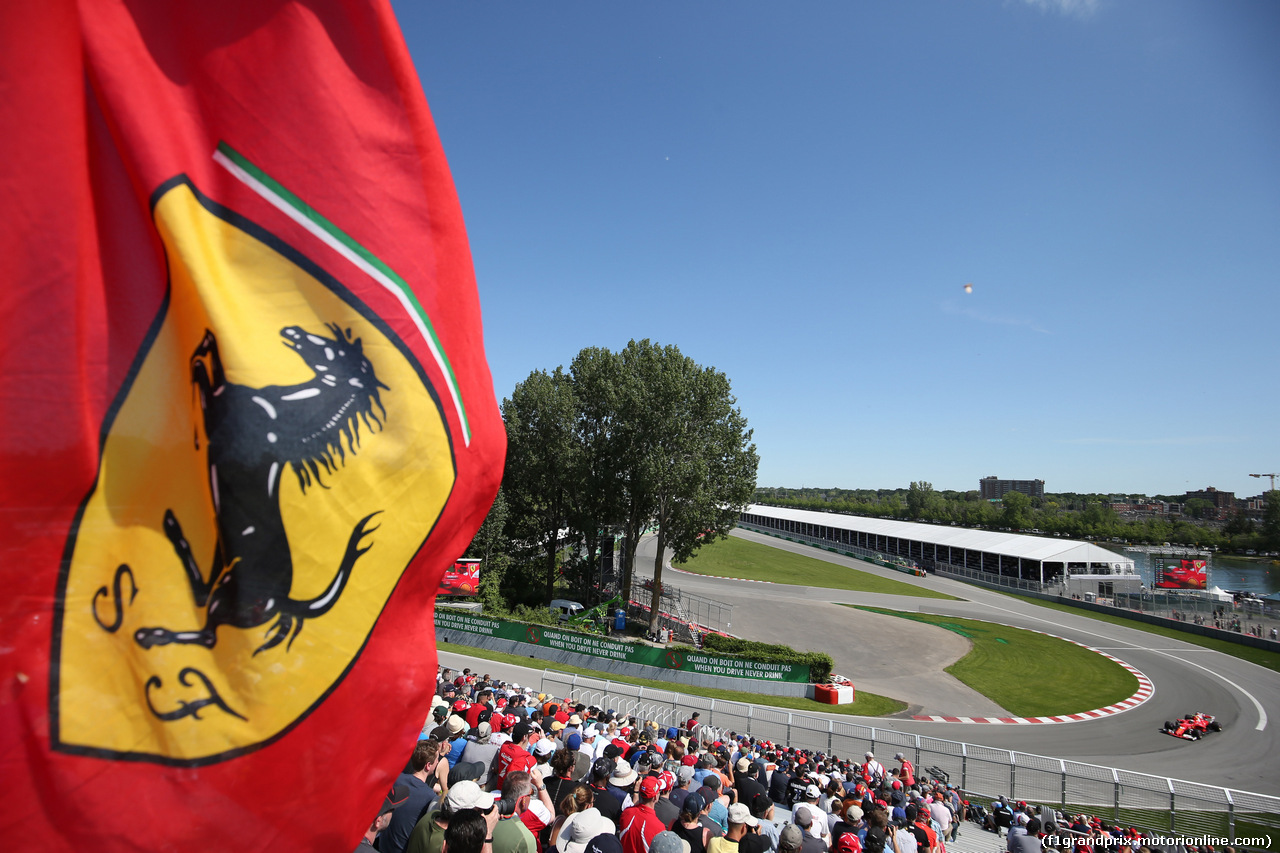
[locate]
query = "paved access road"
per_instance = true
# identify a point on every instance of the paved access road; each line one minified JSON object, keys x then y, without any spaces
{"x":904,"y":659}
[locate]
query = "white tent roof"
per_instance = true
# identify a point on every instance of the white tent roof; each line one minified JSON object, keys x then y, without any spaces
{"x":1042,"y":548}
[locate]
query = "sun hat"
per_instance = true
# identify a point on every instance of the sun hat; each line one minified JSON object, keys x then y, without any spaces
{"x":456,"y":725}
{"x":468,"y":795}
{"x":624,"y":775}
{"x":579,"y":828}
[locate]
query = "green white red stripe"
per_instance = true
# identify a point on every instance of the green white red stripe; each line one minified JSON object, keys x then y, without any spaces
{"x":342,"y":243}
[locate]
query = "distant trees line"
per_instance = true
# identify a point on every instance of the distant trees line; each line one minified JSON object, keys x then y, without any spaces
{"x":1068,"y":514}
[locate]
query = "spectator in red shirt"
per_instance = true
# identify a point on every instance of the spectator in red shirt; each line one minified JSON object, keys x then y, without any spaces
{"x":639,"y":823}
{"x":906,"y":772}
{"x":514,"y":755}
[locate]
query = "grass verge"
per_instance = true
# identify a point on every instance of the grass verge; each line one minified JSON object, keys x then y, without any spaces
{"x":1030,"y":674}
{"x":1262,"y":657}
{"x":865,"y":705}
{"x":739,"y":558}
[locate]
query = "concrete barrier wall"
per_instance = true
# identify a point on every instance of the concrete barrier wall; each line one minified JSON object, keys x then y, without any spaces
{"x":614,"y":667}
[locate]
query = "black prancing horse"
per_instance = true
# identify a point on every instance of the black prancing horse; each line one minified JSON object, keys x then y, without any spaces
{"x":252,"y":434}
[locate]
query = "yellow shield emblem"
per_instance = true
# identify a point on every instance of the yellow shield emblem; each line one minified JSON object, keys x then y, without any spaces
{"x":274,"y":461}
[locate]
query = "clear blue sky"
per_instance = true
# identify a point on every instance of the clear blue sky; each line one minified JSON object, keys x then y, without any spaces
{"x":796,"y":194}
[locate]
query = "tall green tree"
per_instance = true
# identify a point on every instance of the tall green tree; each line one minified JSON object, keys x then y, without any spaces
{"x":920,"y":497}
{"x":599,"y":505}
{"x":542,"y":463}
{"x":1016,"y":510}
{"x":694,"y":466}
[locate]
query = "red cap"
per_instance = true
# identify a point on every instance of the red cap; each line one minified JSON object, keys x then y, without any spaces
{"x":689,"y":760}
{"x":649,"y":787}
{"x":460,"y":705}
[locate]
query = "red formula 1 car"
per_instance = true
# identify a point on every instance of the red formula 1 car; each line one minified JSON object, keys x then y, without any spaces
{"x":1192,"y":726}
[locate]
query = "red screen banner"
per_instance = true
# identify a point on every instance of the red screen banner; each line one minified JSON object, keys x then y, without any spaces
{"x":462,"y":578}
{"x":247,"y":421}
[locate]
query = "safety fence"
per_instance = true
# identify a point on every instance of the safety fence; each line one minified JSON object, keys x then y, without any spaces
{"x":1153,"y":803}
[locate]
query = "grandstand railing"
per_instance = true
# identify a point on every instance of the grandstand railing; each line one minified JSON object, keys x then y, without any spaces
{"x":1153,"y":803}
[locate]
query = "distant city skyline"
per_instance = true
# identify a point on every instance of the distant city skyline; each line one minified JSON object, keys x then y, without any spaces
{"x":1047,"y":489}
{"x":798,"y":196}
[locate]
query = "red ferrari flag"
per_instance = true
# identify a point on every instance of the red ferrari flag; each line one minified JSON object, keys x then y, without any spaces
{"x":245,"y":420}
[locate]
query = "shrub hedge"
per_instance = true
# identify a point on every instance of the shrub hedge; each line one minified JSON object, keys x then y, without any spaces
{"x":820,"y":663}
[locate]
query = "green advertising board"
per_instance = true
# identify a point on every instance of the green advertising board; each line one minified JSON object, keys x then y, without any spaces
{"x":681,"y":659}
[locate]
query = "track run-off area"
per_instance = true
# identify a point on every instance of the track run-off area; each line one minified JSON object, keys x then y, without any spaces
{"x":905,"y":659}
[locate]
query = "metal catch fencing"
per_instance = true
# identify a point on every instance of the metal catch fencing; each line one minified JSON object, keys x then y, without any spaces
{"x":1154,"y":803}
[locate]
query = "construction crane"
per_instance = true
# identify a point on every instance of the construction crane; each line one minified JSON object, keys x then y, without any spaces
{"x":1272,"y":476}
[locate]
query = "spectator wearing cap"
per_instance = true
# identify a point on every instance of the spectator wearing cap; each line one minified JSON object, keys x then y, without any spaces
{"x":421,"y":795}
{"x":762,"y":810}
{"x":1017,"y":828}
{"x":663,"y":807}
{"x":919,"y":825}
{"x":396,"y":798}
{"x":514,"y":756}
{"x":719,"y":809}
{"x":746,"y":781}
{"x":1027,"y":841}
{"x":817,"y":826}
{"x":688,"y":826}
{"x":741,"y":822}
{"x":598,"y":781}
{"x":435,"y":727}
{"x":906,"y":773}
{"x":790,"y":839}
{"x":706,"y":795}
{"x":543,"y":750}
{"x":872,"y":770}
{"x":590,"y":734}
{"x":684,"y":776}
{"x":640,"y":823}
{"x":481,"y":749}
{"x":428,"y":834}
{"x":455,"y":737}
{"x":779,"y":782}
{"x":811,"y":842}
{"x":941,"y":814}
{"x":702,"y":769}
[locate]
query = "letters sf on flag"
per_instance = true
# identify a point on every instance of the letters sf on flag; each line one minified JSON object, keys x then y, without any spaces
{"x":260,"y":382}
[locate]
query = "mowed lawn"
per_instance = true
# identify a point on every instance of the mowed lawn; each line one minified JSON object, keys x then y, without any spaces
{"x":738,"y":558}
{"x":1030,"y":674}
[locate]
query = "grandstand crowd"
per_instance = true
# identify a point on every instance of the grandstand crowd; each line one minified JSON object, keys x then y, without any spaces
{"x":500,"y":768}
